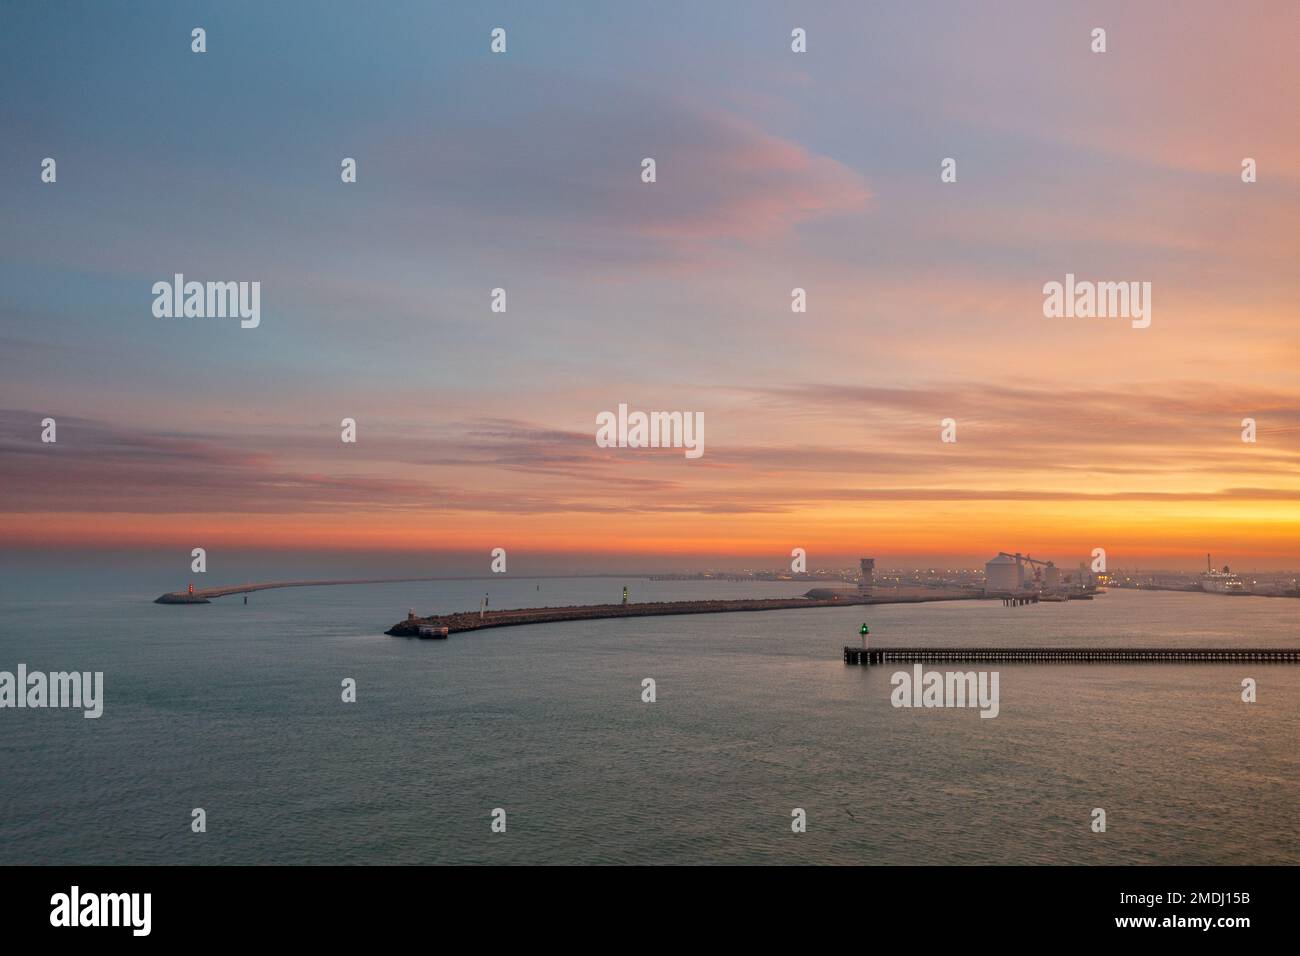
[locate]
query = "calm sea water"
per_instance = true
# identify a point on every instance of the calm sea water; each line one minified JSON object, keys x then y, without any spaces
{"x":237,"y":709}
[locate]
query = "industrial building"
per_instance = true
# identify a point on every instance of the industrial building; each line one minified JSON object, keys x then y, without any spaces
{"x":1006,"y":574}
{"x":867,"y":583}
{"x":1003,"y":573}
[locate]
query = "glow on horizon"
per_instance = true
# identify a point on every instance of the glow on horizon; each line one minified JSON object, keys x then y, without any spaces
{"x":818,"y":171}
{"x":922,"y":534}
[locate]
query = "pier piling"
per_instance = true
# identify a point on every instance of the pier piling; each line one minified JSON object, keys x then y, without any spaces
{"x":1058,"y":655}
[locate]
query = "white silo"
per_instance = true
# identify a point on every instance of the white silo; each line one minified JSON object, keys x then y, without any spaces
{"x":1003,"y":573}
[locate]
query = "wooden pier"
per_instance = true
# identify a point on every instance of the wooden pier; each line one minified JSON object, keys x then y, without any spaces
{"x":1068,"y":655}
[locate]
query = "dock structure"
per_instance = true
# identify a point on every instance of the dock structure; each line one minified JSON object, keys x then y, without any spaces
{"x":482,"y":619}
{"x":1068,"y":655}
{"x":206,"y":595}
{"x":479,"y":620}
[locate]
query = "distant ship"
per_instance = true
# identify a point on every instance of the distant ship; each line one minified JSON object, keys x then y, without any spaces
{"x":1221,"y":582}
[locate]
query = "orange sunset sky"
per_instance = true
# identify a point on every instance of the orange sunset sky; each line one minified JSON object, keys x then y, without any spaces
{"x":775,"y":170}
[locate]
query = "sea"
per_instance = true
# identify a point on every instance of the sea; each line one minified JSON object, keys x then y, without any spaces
{"x":238,"y":710}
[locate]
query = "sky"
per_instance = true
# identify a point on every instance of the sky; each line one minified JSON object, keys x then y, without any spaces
{"x":775,"y":170}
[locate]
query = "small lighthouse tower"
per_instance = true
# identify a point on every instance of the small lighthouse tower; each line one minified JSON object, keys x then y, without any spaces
{"x":867,"y":583}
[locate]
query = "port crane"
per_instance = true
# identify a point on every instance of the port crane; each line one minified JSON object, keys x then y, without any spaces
{"x":1026,"y":559}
